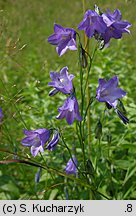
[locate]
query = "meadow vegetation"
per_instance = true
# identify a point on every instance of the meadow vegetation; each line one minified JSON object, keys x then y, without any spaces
{"x":26,"y":58}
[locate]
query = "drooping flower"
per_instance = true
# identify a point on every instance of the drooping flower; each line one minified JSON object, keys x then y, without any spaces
{"x":71,"y":167}
{"x":115,"y":26}
{"x":69,"y":110}
{"x":54,"y":141}
{"x":62,"y":81}
{"x":109,"y":92}
{"x":63,"y":39}
{"x":1,"y":115}
{"x":92,"y":23}
{"x":36,"y":139}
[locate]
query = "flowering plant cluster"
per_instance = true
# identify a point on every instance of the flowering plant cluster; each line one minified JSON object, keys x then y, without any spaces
{"x":102,"y":27}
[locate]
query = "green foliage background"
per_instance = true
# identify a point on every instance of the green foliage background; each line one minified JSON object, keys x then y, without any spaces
{"x":25,"y":62}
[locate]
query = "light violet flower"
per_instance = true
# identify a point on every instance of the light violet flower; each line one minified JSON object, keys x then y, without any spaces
{"x":69,"y":110}
{"x":92,"y":23}
{"x":62,"y":81}
{"x":115,"y":26}
{"x":54,"y":141}
{"x":109,"y":92}
{"x":71,"y":167}
{"x":63,"y":39}
{"x":36,"y":139}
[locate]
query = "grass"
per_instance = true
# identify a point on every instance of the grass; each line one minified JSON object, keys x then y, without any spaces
{"x":25,"y":62}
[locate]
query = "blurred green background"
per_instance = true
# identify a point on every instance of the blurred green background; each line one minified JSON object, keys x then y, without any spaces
{"x":25,"y":62}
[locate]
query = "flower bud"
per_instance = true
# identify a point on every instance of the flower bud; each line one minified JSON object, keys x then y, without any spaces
{"x":83,"y":58}
{"x":53,"y":92}
{"x":98,"y":130}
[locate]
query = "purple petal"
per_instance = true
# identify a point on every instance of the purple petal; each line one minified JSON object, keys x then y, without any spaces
{"x":61,"y":115}
{"x":35,"y":150}
{"x":116,"y":15}
{"x":117,"y":34}
{"x":82,"y":25}
{"x":90,"y":31}
{"x":62,"y":47}
{"x":58,"y":29}
{"x":70,"y":117}
{"x":54,"y":75}
{"x":112,"y":83}
{"x":54,"y":39}
{"x":64,"y":72}
{"x":100,"y":26}
{"x":41,"y":130}
{"x":122,"y":24}
{"x":32,"y":140}
{"x":27,"y":132}
{"x":72,"y":44}
{"x":102,"y":82}
{"x":71,"y":166}
{"x":107,"y":20}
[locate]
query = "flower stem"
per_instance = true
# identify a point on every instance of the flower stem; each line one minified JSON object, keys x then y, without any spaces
{"x":86,"y":46}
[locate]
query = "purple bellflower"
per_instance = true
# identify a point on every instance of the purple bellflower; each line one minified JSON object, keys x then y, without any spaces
{"x":54,"y":141}
{"x":71,"y":166}
{"x":109,"y":92}
{"x":62,"y":81}
{"x":1,"y":115}
{"x":92,"y":23}
{"x":36,"y":139}
{"x":69,"y":110}
{"x":115,"y":26}
{"x":63,"y":39}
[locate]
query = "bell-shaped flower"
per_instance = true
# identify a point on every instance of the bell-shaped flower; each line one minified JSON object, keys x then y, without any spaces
{"x":69,"y":110}
{"x":71,"y":167}
{"x":36,"y":139}
{"x":63,"y":39}
{"x":109,"y":92}
{"x":92,"y":23}
{"x":54,"y":141}
{"x":115,"y":26}
{"x":62,"y":81}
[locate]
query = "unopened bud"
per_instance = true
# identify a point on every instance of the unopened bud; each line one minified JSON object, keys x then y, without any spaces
{"x":89,"y":167}
{"x":83,"y":59}
{"x":53,"y":92}
{"x":122,"y":116}
{"x":98,"y":130}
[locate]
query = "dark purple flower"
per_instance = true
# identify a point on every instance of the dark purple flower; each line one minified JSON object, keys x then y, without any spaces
{"x":1,"y":115}
{"x":54,"y":141}
{"x":115,"y":26}
{"x":71,"y":166}
{"x":62,"y":81}
{"x":63,"y":38}
{"x":69,"y":110}
{"x":92,"y":23}
{"x":109,"y":92}
{"x":36,"y":139}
